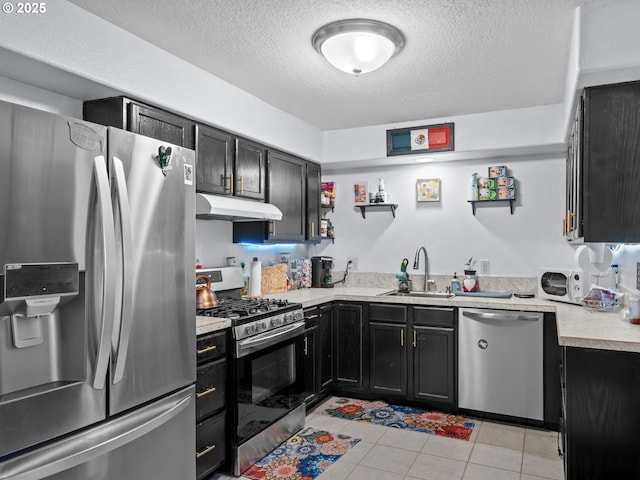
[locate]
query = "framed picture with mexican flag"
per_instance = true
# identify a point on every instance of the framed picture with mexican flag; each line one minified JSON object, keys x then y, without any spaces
{"x":423,"y":139}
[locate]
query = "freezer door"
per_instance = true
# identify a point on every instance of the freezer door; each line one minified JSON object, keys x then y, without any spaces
{"x":155,"y":442}
{"x":51,"y":380}
{"x":154,"y":340}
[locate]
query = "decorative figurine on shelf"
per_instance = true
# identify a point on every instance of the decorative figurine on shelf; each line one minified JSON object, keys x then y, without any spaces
{"x":470,"y":281}
{"x":381,"y":195}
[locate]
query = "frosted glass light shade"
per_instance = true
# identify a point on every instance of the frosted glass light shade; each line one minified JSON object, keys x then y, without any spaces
{"x":358,"y":46}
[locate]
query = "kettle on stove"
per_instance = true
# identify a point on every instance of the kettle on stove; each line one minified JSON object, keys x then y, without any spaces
{"x":205,"y":297}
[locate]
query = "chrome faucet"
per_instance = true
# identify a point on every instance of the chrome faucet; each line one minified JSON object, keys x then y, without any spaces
{"x":416,"y":266}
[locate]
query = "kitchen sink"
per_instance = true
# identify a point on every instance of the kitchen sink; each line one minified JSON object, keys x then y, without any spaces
{"x":419,"y":294}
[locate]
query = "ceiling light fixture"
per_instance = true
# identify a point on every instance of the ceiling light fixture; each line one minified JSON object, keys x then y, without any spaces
{"x":358,"y":45}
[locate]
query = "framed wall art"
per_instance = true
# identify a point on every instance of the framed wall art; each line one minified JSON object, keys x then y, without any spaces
{"x":424,"y":139}
{"x":428,"y":190}
{"x":361,"y":193}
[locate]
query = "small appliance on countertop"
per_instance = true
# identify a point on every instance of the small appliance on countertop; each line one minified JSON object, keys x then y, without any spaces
{"x":563,"y":284}
{"x":321,"y":272}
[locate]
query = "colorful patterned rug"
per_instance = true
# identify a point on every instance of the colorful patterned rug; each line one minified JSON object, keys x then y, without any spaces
{"x":303,"y":457}
{"x":381,"y":413}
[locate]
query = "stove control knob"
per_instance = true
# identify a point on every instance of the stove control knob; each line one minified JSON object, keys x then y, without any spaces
{"x":277,"y":321}
{"x":261,"y":326}
{"x":298,"y":315}
{"x":288,"y":317}
{"x":250,"y":329}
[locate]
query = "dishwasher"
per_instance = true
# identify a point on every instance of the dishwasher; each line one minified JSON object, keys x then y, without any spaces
{"x":500,"y":362}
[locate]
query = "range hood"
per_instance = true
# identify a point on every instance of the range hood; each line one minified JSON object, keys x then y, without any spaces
{"x":219,"y":207}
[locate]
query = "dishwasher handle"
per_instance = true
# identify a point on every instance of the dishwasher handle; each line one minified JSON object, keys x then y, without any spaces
{"x":500,"y":315}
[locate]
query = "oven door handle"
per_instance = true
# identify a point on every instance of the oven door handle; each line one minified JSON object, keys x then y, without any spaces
{"x":266,"y":339}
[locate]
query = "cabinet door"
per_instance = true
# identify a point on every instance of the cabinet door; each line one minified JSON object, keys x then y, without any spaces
{"x":325,"y":347}
{"x":313,"y":203}
{"x":214,"y":160}
{"x":433,"y":364}
{"x":388,"y":362}
{"x":349,"y":347}
{"x":602,"y":415}
{"x":287,"y":187}
{"x":165,"y":126}
{"x":611,"y":210}
{"x":311,"y":378}
{"x":250,"y":169}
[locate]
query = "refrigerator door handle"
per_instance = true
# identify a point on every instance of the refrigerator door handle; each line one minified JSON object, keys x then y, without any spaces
{"x":86,"y":446}
{"x":122,"y":197}
{"x":107,"y":308}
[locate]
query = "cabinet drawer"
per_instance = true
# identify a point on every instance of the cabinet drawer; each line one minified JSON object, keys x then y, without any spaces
{"x":441,"y":317}
{"x":211,"y":346}
{"x":210,"y":446}
{"x":387,"y":313}
{"x":210,"y":387}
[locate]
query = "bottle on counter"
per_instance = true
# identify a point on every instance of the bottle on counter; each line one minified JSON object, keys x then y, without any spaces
{"x":245,"y":277}
{"x":455,"y":283}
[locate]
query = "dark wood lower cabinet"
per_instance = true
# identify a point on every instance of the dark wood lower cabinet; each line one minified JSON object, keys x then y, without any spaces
{"x":388,"y":362}
{"x":349,"y":342}
{"x":211,"y":392}
{"x":318,"y":352}
{"x":602,"y":414}
{"x":434,"y":359}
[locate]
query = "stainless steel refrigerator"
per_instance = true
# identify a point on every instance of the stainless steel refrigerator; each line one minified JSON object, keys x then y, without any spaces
{"x":97,"y":312}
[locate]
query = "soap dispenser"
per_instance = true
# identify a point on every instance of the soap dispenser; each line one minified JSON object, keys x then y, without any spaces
{"x":455,"y":283}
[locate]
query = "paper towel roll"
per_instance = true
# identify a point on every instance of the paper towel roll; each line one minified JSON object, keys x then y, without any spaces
{"x":255,"y":278}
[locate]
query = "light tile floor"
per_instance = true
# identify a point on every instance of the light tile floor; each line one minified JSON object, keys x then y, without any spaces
{"x":494,"y":452}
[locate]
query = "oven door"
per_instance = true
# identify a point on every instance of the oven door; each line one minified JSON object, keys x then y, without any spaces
{"x":270,"y":378}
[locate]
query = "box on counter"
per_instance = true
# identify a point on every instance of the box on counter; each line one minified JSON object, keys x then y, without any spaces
{"x":498,"y":171}
{"x":505,"y":182}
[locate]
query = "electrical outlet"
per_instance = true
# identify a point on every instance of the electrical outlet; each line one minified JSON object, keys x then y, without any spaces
{"x":483,"y":267}
{"x":354,"y":263}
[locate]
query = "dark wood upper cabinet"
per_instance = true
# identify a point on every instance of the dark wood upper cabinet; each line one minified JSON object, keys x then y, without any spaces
{"x":314,"y":213}
{"x":250,"y":170}
{"x":133,"y":116}
{"x":603,"y":166}
{"x":215,"y":151}
{"x":287,"y":191}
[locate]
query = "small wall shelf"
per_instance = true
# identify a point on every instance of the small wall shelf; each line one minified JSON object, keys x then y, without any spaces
{"x":391,"y":206}
{"x":491,"y":202}
{"x":326,"y":208}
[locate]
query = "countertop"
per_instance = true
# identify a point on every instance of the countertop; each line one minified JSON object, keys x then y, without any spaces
{"x":577,"y":326}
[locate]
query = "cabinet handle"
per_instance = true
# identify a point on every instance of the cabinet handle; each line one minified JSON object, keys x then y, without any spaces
{"x":402,"y":337}
{"x":206,"y":392}
{"x":241,"y":185}
{"x":227,"y":182}
{"x":313,"y":229}
{"x":311,"y":317}
{"x":305,"y":346}
{"x":206,"y":349}
{"x":206,"y":450}
{"x":273,"y":228}
{"x":414,"y":339}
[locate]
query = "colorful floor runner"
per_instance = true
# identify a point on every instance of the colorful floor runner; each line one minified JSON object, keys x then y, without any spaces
{"x":382,"y":413}
{"x":303,"y":457}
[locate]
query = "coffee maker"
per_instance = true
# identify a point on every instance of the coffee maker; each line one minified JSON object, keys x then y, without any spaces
{"x":321,"y":272}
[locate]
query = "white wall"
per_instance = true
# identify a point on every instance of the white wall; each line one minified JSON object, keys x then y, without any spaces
{"x":514,"y":244}
{"x":17,"y":92}
{"x":82,"y":44}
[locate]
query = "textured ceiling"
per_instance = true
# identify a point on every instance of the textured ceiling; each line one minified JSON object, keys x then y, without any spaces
{"x":460,"y":57}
